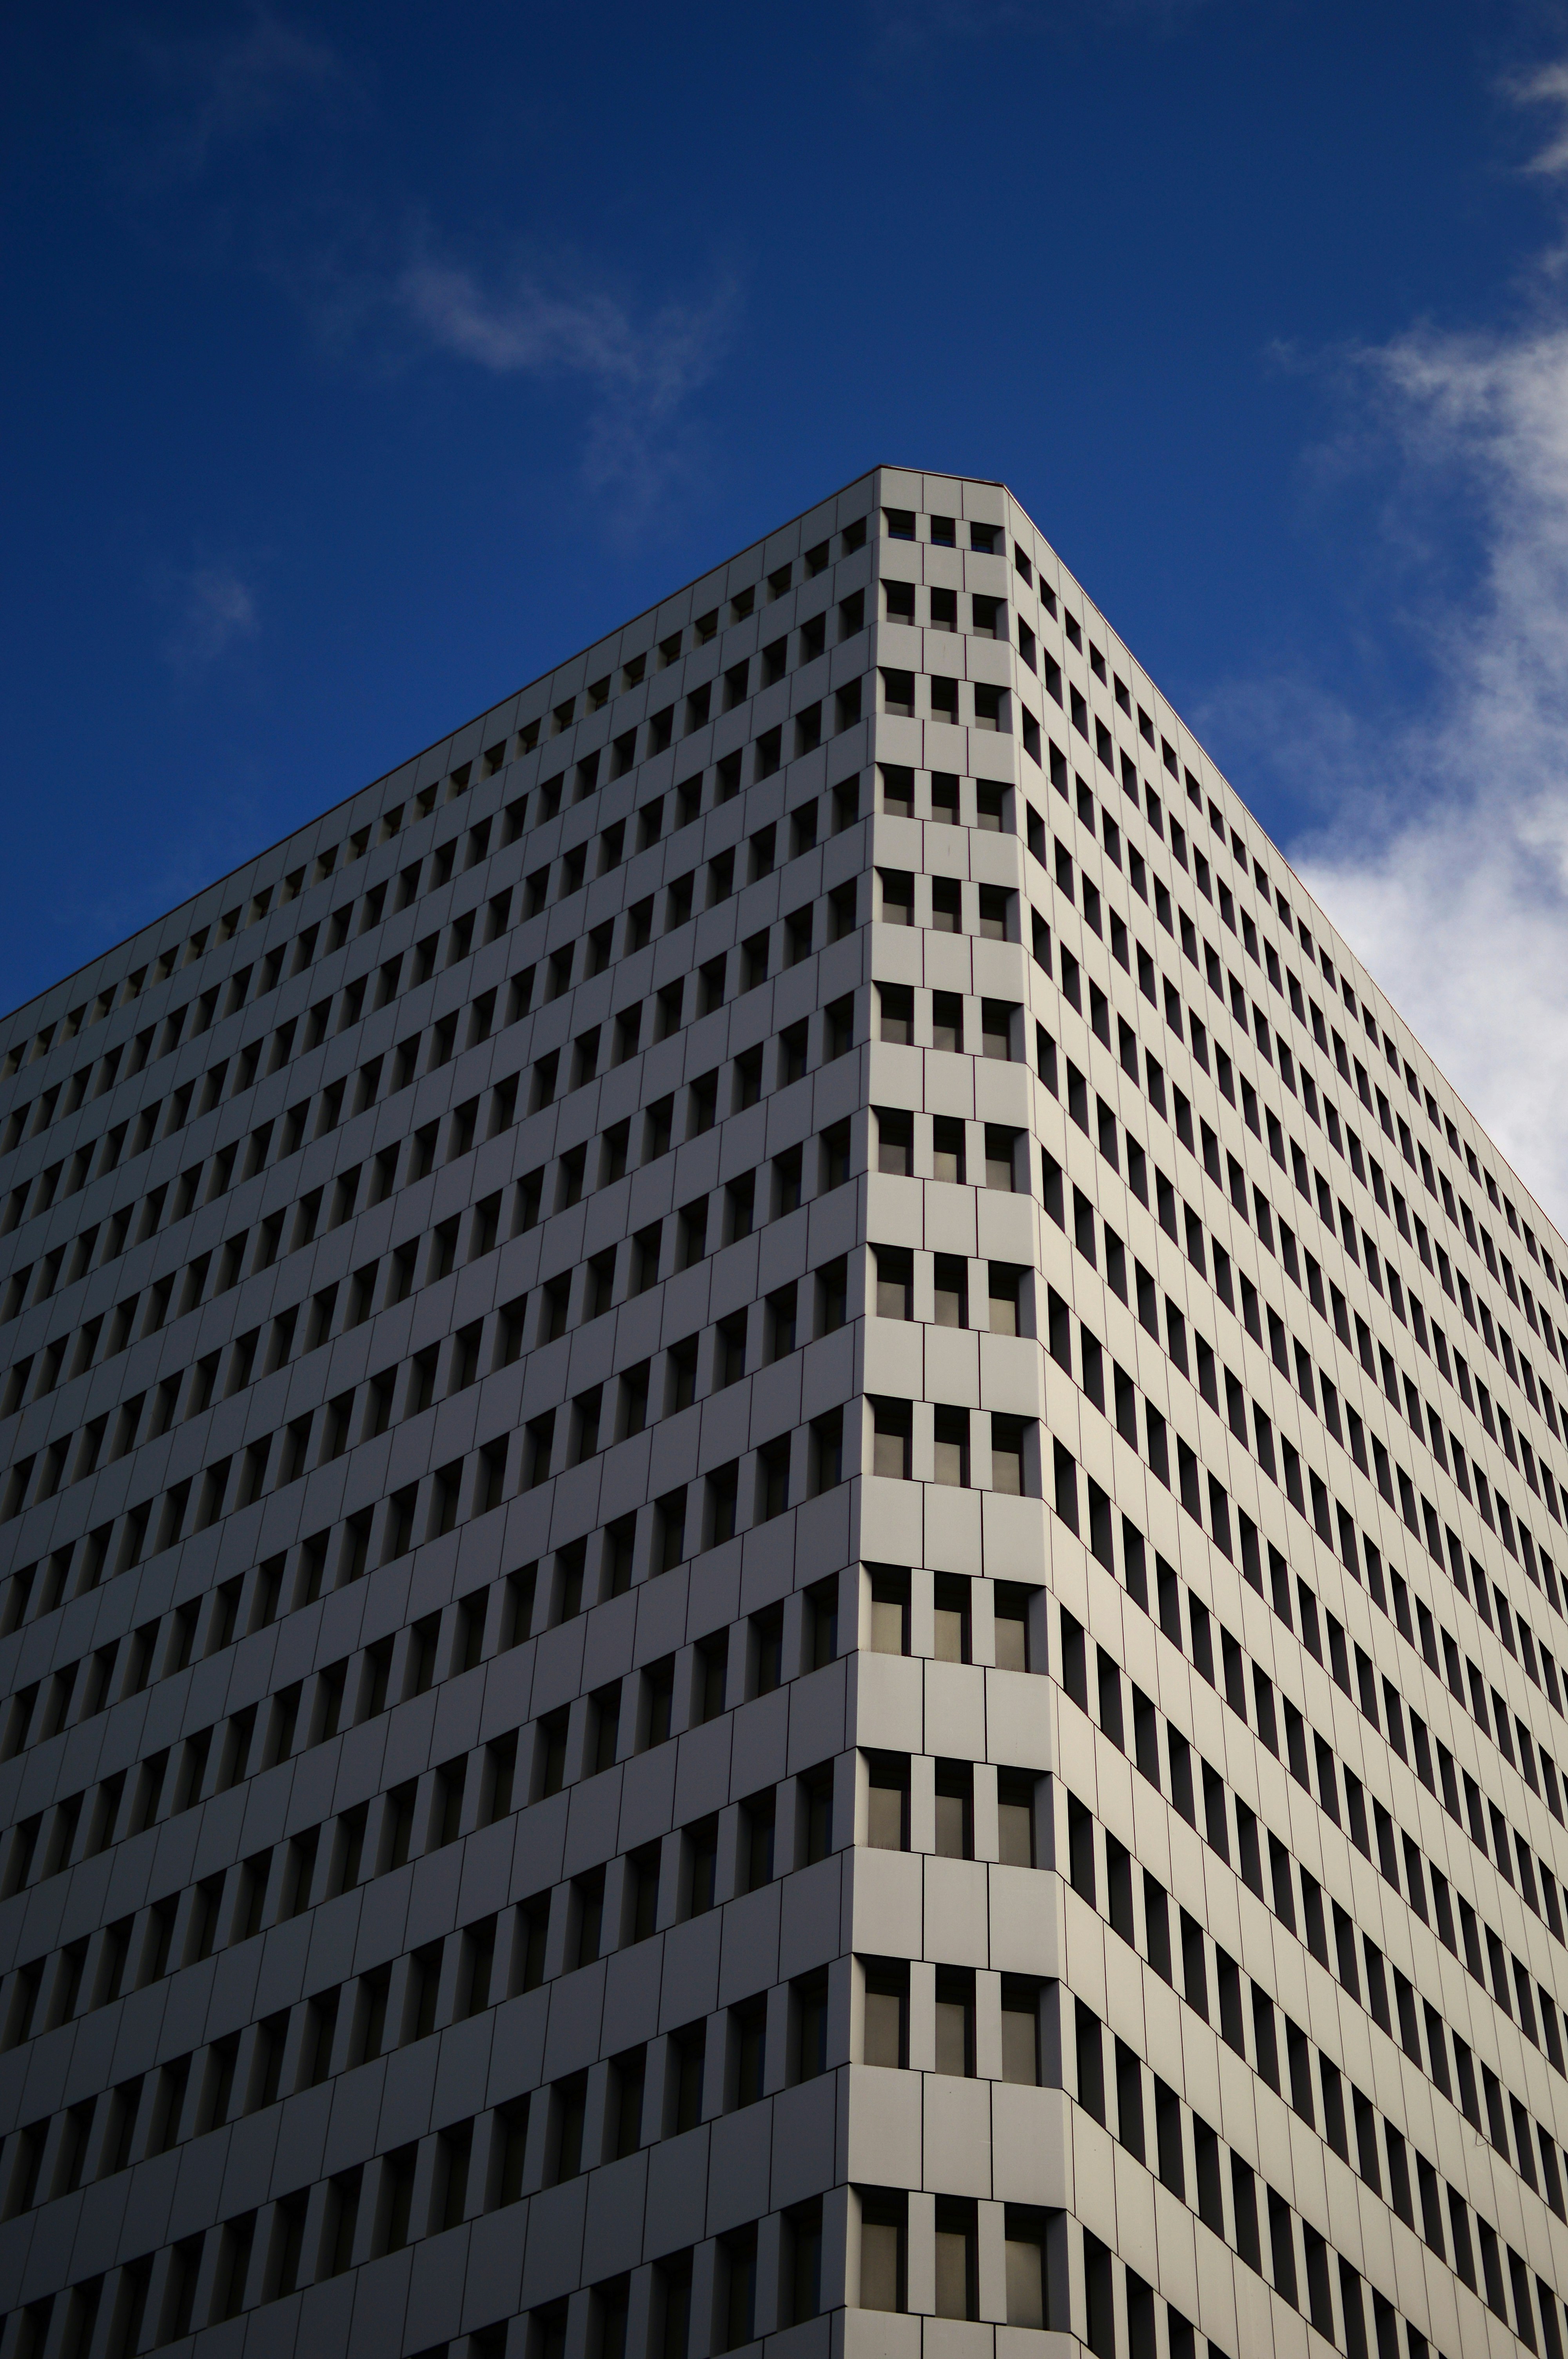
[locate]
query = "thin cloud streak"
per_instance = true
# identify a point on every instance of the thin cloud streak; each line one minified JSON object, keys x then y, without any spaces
{"x":381,"y":292}
{"x":215,"y":609}
{"x":640,"y":374}
{"x":224,"y":87}
{"x":1547,"y":87}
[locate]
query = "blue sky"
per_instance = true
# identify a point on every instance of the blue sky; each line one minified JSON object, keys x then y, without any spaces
{"x":364,"y":363}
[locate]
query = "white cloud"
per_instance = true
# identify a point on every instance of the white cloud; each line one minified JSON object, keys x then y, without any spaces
{"x":226,"y":84}
{"x":1440,"y":851}
{"x":639,"y":374}
{"x":214,"y":609}
{"x":1547,"y":87}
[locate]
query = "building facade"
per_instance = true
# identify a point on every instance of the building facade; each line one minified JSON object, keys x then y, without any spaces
{"x":780,"y":1540}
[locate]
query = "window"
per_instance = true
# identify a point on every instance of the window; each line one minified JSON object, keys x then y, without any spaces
{"x":1015,"y":1818}
{"x":957,"y":2277}
{"x":895,"y":1003}
{"x":1005,"y":1291}
{"x":895,"y":1141}
{"x":1008,"y":1469}
{"x":951,"y":1463}
{"x":710,"y":1673}
{"x":1024,"y":2251}
{"x":1021,"y":2041}
{"x":891,"y":1428}
{"x":1001,"y":1156}
{"x":887,"y":1801}
{"x":947,"y":1158}
{"x":748,"y":2052}
{"x":897,"y":896}
{"x":827,"y":1452}
{"x":1012,"y":1627}
{"x":801,"y":2273}
{"x":730,"y":1351}
{"x":821,"y":1623}
{"x":758,"y":1828}
{"x":955,"y":1810}
{"x":889,"y":1629}
{"x":883,"y":2240}
{"x":997,"y":1029}
{"x":895,"y":1282}
{"x":950,"y":1290}
{"x":699,"y":1846}
{"x":884,"y":2038}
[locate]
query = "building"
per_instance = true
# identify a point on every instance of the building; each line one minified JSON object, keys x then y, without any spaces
{"x":781,"y":1514}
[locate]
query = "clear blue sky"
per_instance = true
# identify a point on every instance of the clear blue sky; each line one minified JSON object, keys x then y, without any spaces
{"x":363,"y":363}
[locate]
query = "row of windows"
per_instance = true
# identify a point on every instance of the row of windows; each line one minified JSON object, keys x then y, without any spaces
{"x":1321,"y":1397}
{"x":1170,"y":1769}
{"x":1344,"y":2112}
{"x":1539,"y":1567}
{"x":1358,"y":1963}
{"x":381,"y":1284}
{"x":1442,"y":1782}
{"x":612,"y":1413}
{"x":371,"y":1183}
{"x":619,"y":1721}
{"x":347,"y":1692}
{"x":722,"y":1855}
{"x":674,"y":1530}
{"x":418,"y":1054}
{"x":203,"y":1182}
{"x":77,"y":1690}
{"x":1457,"y":1213}
{"x":1361,"y":1559}
{"x":334,"y":859}
{"x":500,"y":912}
{"x":1173,"y":1016}
{"x":1486,"y":1596}
{"x":494,"y":757}
{"x":248,"y":1359}
{"x":990,"y":708}
{"x":364,"y":2213}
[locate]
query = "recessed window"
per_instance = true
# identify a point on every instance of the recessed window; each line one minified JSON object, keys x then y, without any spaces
{"x":946,"y":905}
{"x":897,"y":896}
{"x":890,"y":1609}
{"x":897,"y":1009}
{"x":898,"y":790}
{"x":891,"y":1427}
{"x":895,"y":1148}
{"x":895,"y":1281}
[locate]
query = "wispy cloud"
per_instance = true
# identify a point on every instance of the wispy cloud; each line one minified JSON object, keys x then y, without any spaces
{"x":917,"y":27}
{"x":638,"y":373}
{"x":1440,"y":845}
{"x":1548,"y":87}
{"x":212,"y":610}
{"x":230,"y":84}
{"x":385,"y":288}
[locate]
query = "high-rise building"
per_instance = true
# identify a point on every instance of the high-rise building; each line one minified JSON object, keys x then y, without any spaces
{"x":782,"y":1515}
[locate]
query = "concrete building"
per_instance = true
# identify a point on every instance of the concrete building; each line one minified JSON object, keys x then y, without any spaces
{"x":782,"y":1531}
